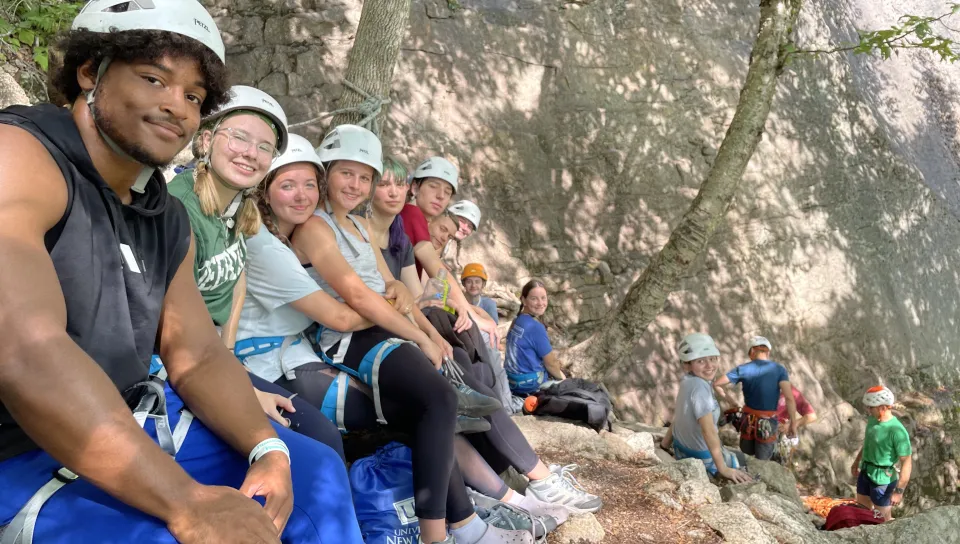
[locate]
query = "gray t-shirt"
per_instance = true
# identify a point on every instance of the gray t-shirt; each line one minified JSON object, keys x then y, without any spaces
{"x":275,"y":278}
{"x":695,"y":400}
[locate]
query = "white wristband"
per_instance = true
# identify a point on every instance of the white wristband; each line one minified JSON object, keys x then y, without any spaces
{"x":267,"y":446}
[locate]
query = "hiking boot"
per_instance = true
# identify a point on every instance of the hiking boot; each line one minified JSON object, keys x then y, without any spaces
{"x":507,"y":516}
{"x":473,"y":403}
{"x":562,"y":488}
{"x":467,"y":425}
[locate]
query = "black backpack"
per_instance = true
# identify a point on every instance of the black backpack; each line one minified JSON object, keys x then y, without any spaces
{"x":576,"y":399}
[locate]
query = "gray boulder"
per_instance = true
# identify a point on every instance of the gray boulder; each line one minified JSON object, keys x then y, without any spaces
{"x":698,"y":492}
{"x":683,"y":470}
{"x":735,"y":523}
{"x":777,"y":478}
{"x":584,"y":529}
{"x":937,"y":526}
{"x":739,"y":492}
{"x":572,"y":439}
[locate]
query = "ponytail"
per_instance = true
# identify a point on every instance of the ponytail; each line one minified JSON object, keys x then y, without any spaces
{"x":529,"y":286}
{"x":248,"y":217}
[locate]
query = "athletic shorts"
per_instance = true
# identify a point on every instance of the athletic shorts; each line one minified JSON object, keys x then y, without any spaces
{"x":880,"y":495}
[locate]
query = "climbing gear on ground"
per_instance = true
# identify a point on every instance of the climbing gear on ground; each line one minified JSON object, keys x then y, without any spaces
{"x":758,"y":341}
{"x":382,"y":486}
{"x":845,"y":516}
{"x":470,"y":425}
{"x":440,"y":168}
{"x":352,"y":143}
{"x":878,"y":396}
{"x":467,"y":210}
{"x":370,"y":109}
{"x":185,"y":17}
{"x":473,"y":270}
{"x":299,"y":149}
{"x":575,"y":399}
{"x":243,"y":98}
{"x":821,"y":506}
{"x":696,"y":346}
{"x":562,"y":488}
{"x":151,"y":403}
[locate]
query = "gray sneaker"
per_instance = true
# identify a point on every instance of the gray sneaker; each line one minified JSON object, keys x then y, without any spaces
{"x":473,"y":403}
{"x":562,"y":488}
{"x":507,"y":516}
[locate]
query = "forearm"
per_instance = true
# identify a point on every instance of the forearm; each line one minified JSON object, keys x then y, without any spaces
{"x":423,"y":323}
{"x":88,"y":427}
{"x":217,"y":390}
{"x":553,"y":368}
{"x":330,"y":312}
{"x":906,"y":468}
{"x":667,"y":439}
{"x":229,"y":333}
{"x":374,"y":308}
{"x":712,"y":438}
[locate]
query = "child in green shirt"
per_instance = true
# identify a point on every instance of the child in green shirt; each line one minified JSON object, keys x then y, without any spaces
{"x":884,"y":443}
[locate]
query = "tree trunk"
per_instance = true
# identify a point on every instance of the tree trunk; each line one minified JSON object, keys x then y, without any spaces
{"x":373,"y":56}
{"x":613,"y":344}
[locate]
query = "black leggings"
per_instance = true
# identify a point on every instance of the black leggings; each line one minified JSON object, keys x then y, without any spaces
{"x":503,"y":446}
{"x":307,"y":420}
{"x":421,"y":403}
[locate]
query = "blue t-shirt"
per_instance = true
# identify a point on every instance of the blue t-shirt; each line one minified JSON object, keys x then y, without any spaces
{"x":761,"y":383}
{"x":527,"y":345}
{"x":489,"y":306}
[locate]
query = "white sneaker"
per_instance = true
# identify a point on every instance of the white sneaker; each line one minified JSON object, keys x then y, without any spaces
{"x":494,"y":535}
{"x":540,"y":508}
{"x":561,"y":488}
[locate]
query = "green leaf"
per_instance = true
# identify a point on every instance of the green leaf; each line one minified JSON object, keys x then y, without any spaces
{"x":5,"y":27}
{"x":26,"y":36}
{"x":922,"y":30}
{"x":41,"y":58}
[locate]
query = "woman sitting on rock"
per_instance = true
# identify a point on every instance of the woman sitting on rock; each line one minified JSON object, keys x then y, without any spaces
{"x":531,"y":363}
{"x":503,"y":445}
{"x":694,"y":430}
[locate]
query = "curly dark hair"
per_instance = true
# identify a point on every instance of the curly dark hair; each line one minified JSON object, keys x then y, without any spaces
{"x":80,"y":46}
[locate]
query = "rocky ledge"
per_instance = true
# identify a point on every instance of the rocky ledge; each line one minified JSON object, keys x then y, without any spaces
{"x":649,"y":497}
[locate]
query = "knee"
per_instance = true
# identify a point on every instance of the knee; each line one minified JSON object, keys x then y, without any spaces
{"x":446,"y":399}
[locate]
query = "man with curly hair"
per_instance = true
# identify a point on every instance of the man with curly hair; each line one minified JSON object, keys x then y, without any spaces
{"x":99,"y":276}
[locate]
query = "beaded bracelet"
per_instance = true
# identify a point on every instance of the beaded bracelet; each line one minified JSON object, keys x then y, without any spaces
{"x":267,"y":446}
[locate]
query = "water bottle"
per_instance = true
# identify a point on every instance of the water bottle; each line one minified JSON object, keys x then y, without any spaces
{"x":437,"y":288}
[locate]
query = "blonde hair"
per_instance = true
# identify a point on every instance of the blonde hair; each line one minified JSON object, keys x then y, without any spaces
{"x":248,"y":218}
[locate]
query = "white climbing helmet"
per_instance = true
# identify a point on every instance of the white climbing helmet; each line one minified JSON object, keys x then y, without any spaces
{"x":758,"y":341}
{"x":185,"y":17}
{"x":440,"y":168}
{"x":467,"y":210}
{"x":299,"y":149}
{"x":257,"y":101}
{"x":878,"y":396}
{"x":352,"y":143}
{"x":696,"y":346}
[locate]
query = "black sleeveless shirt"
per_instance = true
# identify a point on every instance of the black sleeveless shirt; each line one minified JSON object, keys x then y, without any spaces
{"x":114,"y":261}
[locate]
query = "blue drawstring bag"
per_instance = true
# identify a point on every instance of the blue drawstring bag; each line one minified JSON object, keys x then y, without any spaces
{"x":383,"y":496}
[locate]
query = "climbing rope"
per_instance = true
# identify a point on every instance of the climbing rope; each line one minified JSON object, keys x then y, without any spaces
{"x":370,"y":108}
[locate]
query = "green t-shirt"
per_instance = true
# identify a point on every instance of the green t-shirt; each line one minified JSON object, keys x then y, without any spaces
{"x":884,"y":443}
{"x":221,"y":254}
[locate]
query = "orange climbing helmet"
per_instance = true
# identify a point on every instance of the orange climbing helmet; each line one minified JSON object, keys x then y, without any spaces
{"x":473,"y":270}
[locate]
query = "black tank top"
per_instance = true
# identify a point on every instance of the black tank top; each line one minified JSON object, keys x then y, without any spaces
{"x":114,"y":261}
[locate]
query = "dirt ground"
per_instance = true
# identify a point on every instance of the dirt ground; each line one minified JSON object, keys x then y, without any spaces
{"x":629,"y":515}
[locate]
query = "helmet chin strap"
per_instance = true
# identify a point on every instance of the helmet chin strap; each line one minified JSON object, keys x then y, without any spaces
{"x":146,"y":172}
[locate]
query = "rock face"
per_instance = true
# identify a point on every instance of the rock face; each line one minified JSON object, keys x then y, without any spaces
{"x":11,"y":93}
{"x":584,"y":128}
{"x":558,"y":435}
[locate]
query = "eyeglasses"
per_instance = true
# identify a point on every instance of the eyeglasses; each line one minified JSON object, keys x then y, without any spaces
{"x":239,"y":142}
